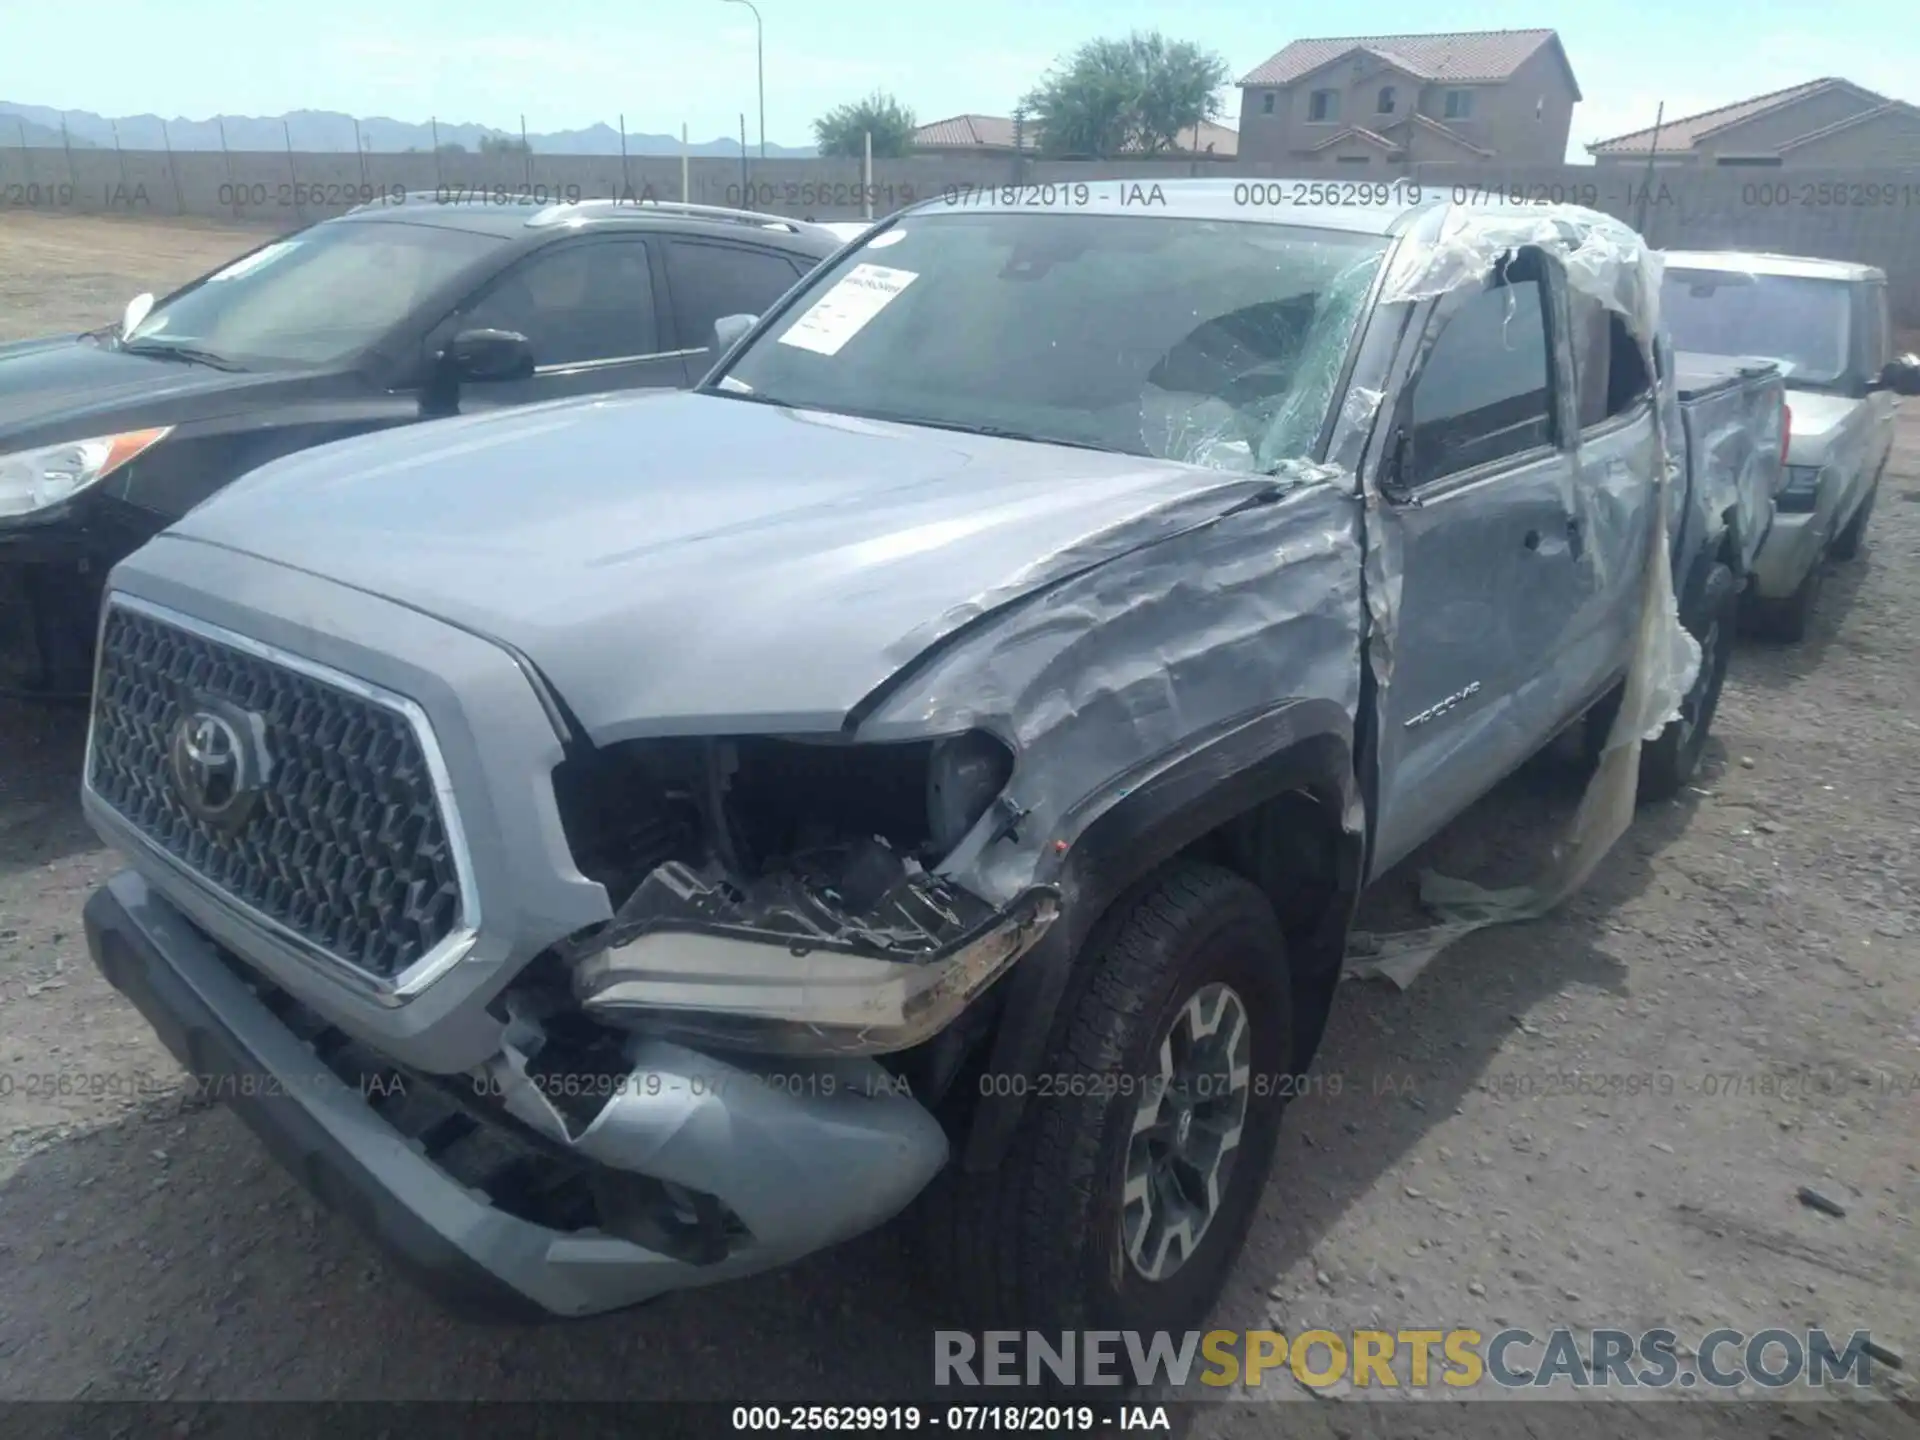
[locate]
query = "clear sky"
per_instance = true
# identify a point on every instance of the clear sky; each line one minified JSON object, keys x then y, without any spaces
{"x":567,"y":63}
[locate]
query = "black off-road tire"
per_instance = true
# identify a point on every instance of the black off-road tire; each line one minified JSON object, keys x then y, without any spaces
{"x":1848,"y":543}
{"x":1668,"y":763}
{"x":1037,"y":1243}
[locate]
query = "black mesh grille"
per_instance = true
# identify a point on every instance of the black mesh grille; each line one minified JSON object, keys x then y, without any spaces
{"x":346,"y":846}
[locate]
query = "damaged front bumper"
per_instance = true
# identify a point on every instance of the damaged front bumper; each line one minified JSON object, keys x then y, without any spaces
{"x":527,"y":1188}
{"x":878,"y":959}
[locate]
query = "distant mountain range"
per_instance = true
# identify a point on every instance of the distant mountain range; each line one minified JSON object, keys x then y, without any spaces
{"x":18,"y":130}
{"x":329,"y":131}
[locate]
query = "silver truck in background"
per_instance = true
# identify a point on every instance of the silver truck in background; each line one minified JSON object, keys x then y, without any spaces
{"x":640,"y":841}
{"x":1825,"y":324}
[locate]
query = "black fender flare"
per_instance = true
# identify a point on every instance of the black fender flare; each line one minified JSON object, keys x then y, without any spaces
{"x":1297,"y":746}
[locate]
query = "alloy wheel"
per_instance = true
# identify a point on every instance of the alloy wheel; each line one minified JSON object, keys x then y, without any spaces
{"x":1186,"y":1132}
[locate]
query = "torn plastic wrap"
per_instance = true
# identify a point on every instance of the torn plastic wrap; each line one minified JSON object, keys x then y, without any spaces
{"x":1612,"y":264}
{"x":1106,"y":679}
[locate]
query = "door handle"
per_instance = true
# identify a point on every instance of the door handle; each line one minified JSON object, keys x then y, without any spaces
{"x":1532,"y":540}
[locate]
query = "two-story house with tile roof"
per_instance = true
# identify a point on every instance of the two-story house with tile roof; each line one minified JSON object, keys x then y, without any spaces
{"x":1826,"y":122}
{"x":1468,"y":98}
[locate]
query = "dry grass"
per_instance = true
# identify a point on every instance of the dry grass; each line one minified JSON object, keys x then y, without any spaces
{"x":73,"y":272}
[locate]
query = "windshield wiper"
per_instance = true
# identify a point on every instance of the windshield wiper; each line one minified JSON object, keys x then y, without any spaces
{"x":998,"y":432}
{"x":994,"y":432}
{"x":191,"y":354}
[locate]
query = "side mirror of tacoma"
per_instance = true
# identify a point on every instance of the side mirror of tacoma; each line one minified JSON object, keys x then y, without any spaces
{"x":490,"y":355}
{"x":1902,"y":375}
{"x":728,"y":329}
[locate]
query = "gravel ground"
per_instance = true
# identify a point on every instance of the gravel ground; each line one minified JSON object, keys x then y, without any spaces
{"x":1601,"y":1118}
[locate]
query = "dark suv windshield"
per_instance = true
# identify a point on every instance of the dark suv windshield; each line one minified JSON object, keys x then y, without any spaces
{"x":1799,"y":321}
{"x":1212,"y":342}
{"x":314,"y":298}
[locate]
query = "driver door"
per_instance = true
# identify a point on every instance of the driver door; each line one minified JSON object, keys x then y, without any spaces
{"x":1488,"y":550}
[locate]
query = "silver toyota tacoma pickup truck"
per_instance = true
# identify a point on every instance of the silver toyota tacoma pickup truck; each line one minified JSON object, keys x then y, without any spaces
{"x":633,"y":842}
{"x":1825,"y":324}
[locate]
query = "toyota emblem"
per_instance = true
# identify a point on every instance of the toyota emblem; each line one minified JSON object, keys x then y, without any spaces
{"x":217,"y":764}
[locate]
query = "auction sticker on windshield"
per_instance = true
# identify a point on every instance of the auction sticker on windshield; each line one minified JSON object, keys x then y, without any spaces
{"x":840,"y":314}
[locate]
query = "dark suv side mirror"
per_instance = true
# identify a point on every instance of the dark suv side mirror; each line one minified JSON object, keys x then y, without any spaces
{"x":1901,"y":375}
{"x":729,"y":328}
{"x":489,"y":355}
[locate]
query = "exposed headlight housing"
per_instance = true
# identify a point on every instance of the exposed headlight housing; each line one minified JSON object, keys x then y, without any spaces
{"x":32,"y":480}
{"x":781,"y":894}
{"x":1801,"y":491}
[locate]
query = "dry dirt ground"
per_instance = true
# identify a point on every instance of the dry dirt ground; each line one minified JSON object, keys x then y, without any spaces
{"x":1601,"y":1118}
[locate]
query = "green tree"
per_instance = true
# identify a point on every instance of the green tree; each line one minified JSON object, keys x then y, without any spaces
{"x":1136,"y":94}
{"x":451,"y":147}
{"x":504,"y":145}
{"x":842,"y":131}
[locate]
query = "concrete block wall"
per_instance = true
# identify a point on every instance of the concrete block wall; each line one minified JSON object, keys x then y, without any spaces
{"x":1868,"y":216}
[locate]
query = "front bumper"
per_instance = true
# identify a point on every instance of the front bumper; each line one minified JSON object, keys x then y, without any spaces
{"x":48,"y":604}
{"x":797,"y":1161}
{"x":769,"y":993}
{"x":53,"y":565}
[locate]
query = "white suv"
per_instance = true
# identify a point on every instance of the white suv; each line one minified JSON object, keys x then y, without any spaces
{"x":1824,"y":322}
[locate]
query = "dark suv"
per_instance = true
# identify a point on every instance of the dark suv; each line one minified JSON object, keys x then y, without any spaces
{"x":382,"y":317}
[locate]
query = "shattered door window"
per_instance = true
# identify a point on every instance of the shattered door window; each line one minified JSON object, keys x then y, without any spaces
{"x":1485,"y":391}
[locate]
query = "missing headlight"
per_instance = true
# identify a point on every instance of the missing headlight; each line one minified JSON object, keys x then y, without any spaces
{"x":756,"y":805}
{"x":783,"y":892}
{"x":964,"y":775}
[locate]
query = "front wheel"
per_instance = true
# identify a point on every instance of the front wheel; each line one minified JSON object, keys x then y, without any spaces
{"x":1139,"y":1164}
{"x":1669,"y":762}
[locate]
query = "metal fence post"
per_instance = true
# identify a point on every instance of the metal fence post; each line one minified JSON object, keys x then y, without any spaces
{"x":173,"y":171}
{"x":66,"y":143}
{"x":299,"y":211}
{"x":1646,"y":185}
{"x":233,"y":193}
{"x":120,"y":156}
{"x":26,"y":156}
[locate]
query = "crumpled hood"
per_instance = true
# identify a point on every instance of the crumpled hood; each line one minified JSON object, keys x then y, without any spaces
{"x":1816,"y":419}
{"x":688,"y":563}
{"x":70,"y":388}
